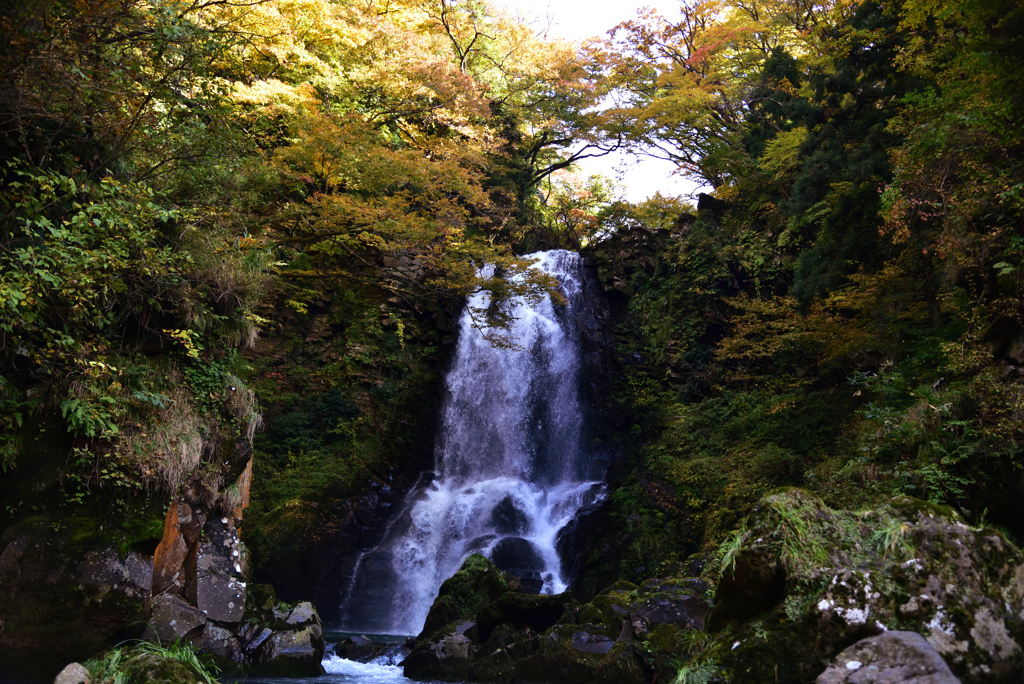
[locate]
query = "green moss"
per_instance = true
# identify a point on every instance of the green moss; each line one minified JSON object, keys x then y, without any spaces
{"x":477,"y":583}
{"x":147,"y":663}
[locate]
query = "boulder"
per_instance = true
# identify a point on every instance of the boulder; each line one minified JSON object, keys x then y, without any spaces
{"x":445,"y":657}
{"x":559,"y":659}
{"x":889,"y":658}
{"x":537,"y":612}
{"x":75,"y":673}
{"x":294,"y":653}
{"x":802,"y":582}
{"x":218,"y":641}
{"x":585,"y":642}
{"x":520,"y":558}
{"x":150,"y":668}
{"x":220,"y":597}
{"x":506,"y":518}
{"x":171,"y":619}
{"x":279,"y":639}
{"x":106,"y":570}
{"x":477,"y":583}
{"x":543,"y":638}
{"x":354,"y":648}
{"x":610,"y":608}
{"x":683,"y":603}
{"x":218,"y":587}
{"x":295,"y":616}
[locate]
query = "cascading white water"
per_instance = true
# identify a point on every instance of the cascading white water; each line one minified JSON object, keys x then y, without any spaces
{"x":510,"y":468}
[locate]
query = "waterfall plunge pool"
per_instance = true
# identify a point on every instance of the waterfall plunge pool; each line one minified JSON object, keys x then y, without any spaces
{"x":382,"y":669}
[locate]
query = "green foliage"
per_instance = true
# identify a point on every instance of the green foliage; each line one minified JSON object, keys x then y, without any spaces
{"x":697,"y":674}
{"x":144,"y":662}
{"x":78,"y":256}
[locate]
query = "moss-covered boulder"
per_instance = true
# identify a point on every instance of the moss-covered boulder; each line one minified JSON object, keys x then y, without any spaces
{"x":533,"y":612}
{"x":153,"y":668}
{"x":62,"y":598}
{"x":572,"y":655}
{"x":801,"y":582}
{"x":626,"y":634}
{"x":683,"y":602}
{"x":477,"y":583}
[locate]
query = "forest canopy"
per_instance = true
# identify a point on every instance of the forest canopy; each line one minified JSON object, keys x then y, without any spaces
{"x":177,"y":173}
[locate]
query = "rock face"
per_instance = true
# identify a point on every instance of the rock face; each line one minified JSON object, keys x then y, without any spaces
{"x":540,"y":638}
{"x":199,"y":594}
{"x":889,"y":658}
{"x":803,"y":582}
{"x":60,"y":603}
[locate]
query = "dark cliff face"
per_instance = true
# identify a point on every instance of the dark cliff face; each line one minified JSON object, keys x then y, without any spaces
{"x":595,"y":324}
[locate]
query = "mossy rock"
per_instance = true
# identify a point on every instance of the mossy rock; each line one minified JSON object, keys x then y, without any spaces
{"x":609,"y":608}
{"x":557,"y":661}
{"x":536,"y":612}
{"x":802,"y":582}
{"x":477,"y":583}
{"x":151,"y":668}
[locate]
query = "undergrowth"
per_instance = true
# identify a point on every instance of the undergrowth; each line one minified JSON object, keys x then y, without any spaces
{"x":142,"y":661}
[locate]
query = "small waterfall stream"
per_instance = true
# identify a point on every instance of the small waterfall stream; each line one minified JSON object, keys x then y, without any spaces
{"x":510,"y":468}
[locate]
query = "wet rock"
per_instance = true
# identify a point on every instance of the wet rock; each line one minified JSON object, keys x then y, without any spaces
{"x":535,"y":611}
{"x":299,"y":615}
{"x":585,"y":642}
{"x":477,"y":583}
{"x":75,"y":673}
{"x":171,"y":618}
{"x":445,"y":657}
{"x":354,"y":648}
{"x":889,"y":658}
{"x":674,"y":602}
{"x":295,"y":653}
{"x":520,"y":558}
{"x":506,"y":518}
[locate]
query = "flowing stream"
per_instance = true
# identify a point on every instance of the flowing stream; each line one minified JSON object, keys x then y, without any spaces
{"x":510,"y":468}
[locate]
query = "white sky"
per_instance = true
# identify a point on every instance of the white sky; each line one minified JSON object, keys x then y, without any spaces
{"x":579,"y":19}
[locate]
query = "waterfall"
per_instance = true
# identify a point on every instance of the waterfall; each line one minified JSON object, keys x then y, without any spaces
{"x":510,"y":468}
